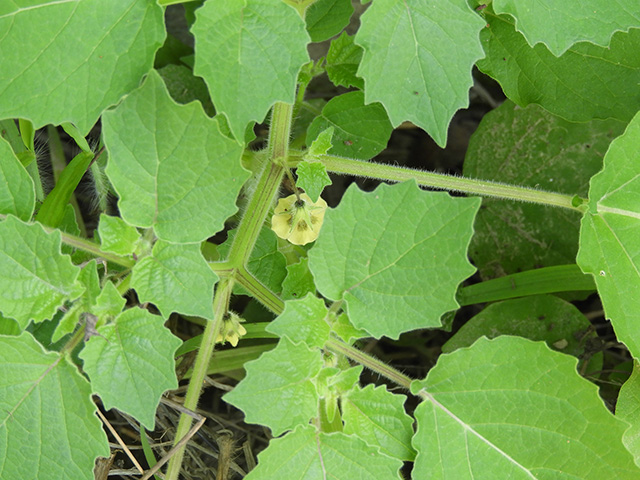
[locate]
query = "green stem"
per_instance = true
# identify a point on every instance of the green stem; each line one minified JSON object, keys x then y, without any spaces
{"x":267,"y":187}
{"x":220,"y":307}
{"x":392,"y":173}
{"x":259,"y":291}
{"x":370,"y":362}
{"x":92,"y":248}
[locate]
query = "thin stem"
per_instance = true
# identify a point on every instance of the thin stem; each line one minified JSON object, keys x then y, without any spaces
{"x":392,"y":173}
{"x":211,"y":331}
{"x":92,"y":248}
{"x":370,"y":362}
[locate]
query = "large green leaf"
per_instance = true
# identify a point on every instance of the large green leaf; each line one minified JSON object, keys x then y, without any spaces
{"x":559,"y":24}
{"x":343,"y":60}
{"x":539,"y":317}
{"x":531,"y":147}
{"x":176,"y":278}
{"x":360,"y":131}
{"x":628,"y":409}
{"x":130,"y":363}
{"x":17,"y":195}
{"x":180,"y":177}
{"x":395,"y":256}
{"x":66,"y":61}
{"x":609,"y":246}
{"x":586,"y":82}
{"x":326,"y":18}
{"x":278,"y":390}
{"x":249,"y":53}
{"x":306,"y":453}
{"x":512,"y":408}
{"x":418,"y":58}
{"x":48,"y":427}
{"x":377,"y":416}
{"x":35,"y":278}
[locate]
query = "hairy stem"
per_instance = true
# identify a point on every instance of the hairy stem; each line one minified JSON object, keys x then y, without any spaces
{"x":393,"y":173}
{"x":211,"y":331}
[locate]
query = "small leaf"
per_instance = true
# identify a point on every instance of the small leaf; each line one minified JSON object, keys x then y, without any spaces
{"x":609,"y":247}
{"x":312,"y":178}
{"x":299,"y":281}
{"x":35,"y":278}
{"x":278,"y":390}
{"x":378,"y":251}
{"x":48,"y":425}
{"x":343,"y":60}
{"x":68,"y":61}
{"x":322,"y":143}
{"x":587,"y":82}
{"x":17,"y":195}
{"x":558,"y":24}
{"x":378,"y":417}
{"x":117,"y":236}
{"x":165,"y":175}
{"x":513,"y":406}
{"x":360,"y":131}
{"x":418,"y":58}
{"x":303,"y":320}
{"x":307,"y":453}
{"x":249,"y":53}
{"x":131,"y":363}
{"x":176,"y":278}
{"x":326,"y":18}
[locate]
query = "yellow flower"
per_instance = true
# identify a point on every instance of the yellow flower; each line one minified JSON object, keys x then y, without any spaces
{"x":231,"y":330}
{"x":298,"y":221}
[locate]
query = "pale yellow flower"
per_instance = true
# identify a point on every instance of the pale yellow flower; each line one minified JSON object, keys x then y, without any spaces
{"x":231,"y":330}
{"x":298,"y":221}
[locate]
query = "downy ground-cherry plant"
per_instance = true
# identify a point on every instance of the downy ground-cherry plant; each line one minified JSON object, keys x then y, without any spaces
{"x":169,"y":232}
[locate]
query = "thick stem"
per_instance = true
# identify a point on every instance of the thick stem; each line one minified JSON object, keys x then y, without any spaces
{"x":220,"y":307}
{"x":267,"y":187}
{"x":392,"y":173}
{"x":259,"y":291}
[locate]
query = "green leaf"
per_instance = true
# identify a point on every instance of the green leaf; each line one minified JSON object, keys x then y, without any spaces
{"x":52,"y":211}
{"x":378,"y":417}
{"x":531,"y":147}
{"x":586,"y":82}
{"x":343,"y":60}
{"x":249,"y":53}
{"x":109,"y":303}
{"x":541,"y":317}
{"x":74,"y":133}
{"x":185,"y":87}
{"x":609,"y":247}
{"x":628,"y":409}
{"x":17,"y":195}
{"x":48,"y":425}
{"x":512,"y":406}
{"x":312,"y":178}
{"x":278,"y":390}
{"x":418,"y":58}
{"x":559,"y":24}
{"x":68,"y":61}
{"x":326,"y":18}
{"x":182,"y":177}
{"x":176,"y":278}
{"x":345,"y":329}
{"x":130,"y":363}
{"x":377,"y":253}
{"x":303,"y":320}
{"x":360,"y":131}
{"x":117,"y":236}
{"x":35,"y":278}
{"x":299,"y":281}
{"x":307,"y":453}
{"x":322,"y":143}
